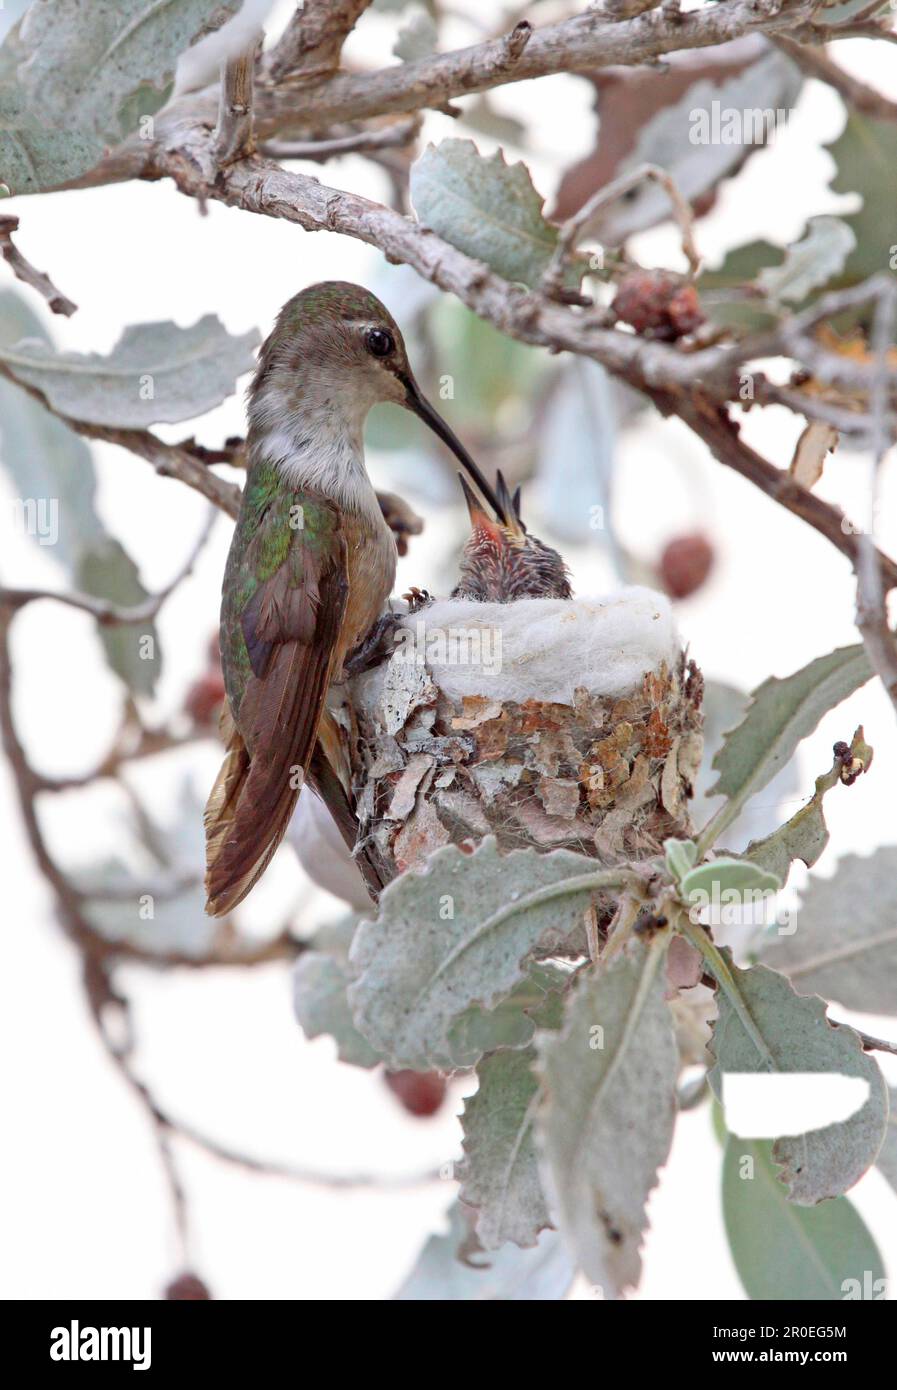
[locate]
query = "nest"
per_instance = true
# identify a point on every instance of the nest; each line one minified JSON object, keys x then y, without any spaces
{"x":588,"y":737}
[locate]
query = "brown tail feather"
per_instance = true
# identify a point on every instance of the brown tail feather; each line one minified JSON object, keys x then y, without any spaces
{"x":253,"y":798}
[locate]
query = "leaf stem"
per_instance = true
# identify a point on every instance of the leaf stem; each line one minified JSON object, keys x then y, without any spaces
{"x":726,"y":980}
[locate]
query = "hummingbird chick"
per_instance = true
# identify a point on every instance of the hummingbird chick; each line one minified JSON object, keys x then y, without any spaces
{"x":310,"y":569}
{"x":501,"y":561}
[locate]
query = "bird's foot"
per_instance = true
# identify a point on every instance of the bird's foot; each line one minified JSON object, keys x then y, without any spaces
{"x":417,"y":599}
{"x":374,"y":648}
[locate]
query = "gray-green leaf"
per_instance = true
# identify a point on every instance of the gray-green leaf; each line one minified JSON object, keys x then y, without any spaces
{"x":543,"y":1273}
{"x":789,"y":1253}
{"x":157,"y":373}
{"x":53,"y":473}
{"x":75,"y":78}
{"x":810,"y":262}
{"x":319,"y":998}
{"x":764,"y":1026}
{"x":417,"y":37}
{"x":782,"y":712}
{"x":607,"y":1123}
{"x":457,"y":935}
{"x":727,"y":879}
{"x":107,"y":571}
{"x":681,"y":138}
{"x":500,"y":1172}
{"x":845,"y":943}
{"x":486,"y":208}
{"x":535,"y":1002}
{"x":680,"y":856}
{"x":887,"y":1156}
{"x":47,"y":463}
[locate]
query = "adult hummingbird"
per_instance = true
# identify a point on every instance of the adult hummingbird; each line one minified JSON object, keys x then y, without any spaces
{"x":501,"y":561}
{"x":310,"y":570}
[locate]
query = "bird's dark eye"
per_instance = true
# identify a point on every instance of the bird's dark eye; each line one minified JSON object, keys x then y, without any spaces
{"x":379,"y":343}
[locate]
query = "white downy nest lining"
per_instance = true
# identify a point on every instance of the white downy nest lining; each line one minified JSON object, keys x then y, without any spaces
{"x":544,"y":722}
{"x":538,"y":649}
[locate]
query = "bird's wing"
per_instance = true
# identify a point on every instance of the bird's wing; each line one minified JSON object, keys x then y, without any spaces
{"x":285,"y":637}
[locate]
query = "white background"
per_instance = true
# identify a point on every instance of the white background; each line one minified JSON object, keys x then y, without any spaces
{"x":85,"y":1212}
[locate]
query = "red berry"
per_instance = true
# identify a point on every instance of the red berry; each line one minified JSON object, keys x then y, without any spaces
{"x":187,"y":1287}
{"x":685,"y":564}
{"x":657,"y":305}
{"x":420,"y":1092}
{"x":204,"y":698}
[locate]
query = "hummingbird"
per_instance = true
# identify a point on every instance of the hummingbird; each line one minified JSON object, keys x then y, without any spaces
{"x":308,"y":576}
{"x":501,"y":561}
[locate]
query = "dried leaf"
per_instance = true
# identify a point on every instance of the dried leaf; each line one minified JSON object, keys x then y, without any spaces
{"x":817,"y":441}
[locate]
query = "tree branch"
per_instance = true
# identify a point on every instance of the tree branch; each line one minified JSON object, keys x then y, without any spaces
{"x":711,"y":423}
{"x":818,"y":64}
{"x":25,"y":271}
{"x":584,"y":43}
{"x":312,"y":43}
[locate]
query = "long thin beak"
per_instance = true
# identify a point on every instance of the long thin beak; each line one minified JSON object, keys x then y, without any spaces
{"x":416,"y":401}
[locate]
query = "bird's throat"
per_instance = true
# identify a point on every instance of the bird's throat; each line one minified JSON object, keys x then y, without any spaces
{"x":316,"y":442}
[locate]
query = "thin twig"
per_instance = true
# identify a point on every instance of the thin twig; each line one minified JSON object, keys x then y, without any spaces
{"x":314,"y":1177}
{"x":858,"y":94}
{"x":110,"y":614}
{"x":25,"y":271}
{"x":580,"y":223}
{"x":396,"y":135}
{"x":871,"y":1044}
